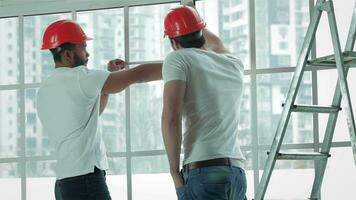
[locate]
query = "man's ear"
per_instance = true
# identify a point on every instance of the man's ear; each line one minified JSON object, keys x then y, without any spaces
{"x":68,"y":56}
{"x":175,"y":44}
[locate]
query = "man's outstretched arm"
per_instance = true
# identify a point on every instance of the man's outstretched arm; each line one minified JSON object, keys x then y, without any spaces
{"x":120,"y":80}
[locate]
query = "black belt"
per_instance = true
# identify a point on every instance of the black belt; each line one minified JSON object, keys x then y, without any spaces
{"x":96,"y":172}
{"x":208,"y":163}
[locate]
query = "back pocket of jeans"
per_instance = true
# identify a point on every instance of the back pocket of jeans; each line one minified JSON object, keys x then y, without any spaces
{"x":218,"y":178}
{"x":214,"y":191}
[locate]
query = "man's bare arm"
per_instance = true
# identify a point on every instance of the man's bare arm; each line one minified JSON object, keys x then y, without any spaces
{"x":172,"y":125}
{"x":118,"y":81}
{"x":112,"y":66}
{"x":213,"y":42}
{"x":103,"y":101}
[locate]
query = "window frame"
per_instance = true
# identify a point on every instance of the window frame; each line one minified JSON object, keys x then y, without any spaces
{"x":252,"y":73}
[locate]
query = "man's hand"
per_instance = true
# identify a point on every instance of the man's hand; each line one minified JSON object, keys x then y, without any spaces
{"x":177,"y":179}
{"x":116,"y":65}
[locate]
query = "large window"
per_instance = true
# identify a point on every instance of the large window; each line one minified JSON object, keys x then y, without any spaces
{"x":269,"y":48}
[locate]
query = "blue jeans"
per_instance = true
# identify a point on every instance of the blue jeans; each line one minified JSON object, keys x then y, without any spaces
{"x":90,"y":186}
{"x":213,"y":183}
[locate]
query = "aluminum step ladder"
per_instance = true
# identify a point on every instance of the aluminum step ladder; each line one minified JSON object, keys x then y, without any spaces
{"x":342,"y":61}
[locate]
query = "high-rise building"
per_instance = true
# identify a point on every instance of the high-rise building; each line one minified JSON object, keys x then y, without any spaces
{"x":9,"y":101}
{"x":280,"y":29}
{"x":9,"y":132}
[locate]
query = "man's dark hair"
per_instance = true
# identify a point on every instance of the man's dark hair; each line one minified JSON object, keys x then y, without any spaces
{"x":192,"y":40}
{"x":56,"y":52}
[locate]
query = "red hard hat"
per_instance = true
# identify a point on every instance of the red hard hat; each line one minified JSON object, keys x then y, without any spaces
{"x":63,"y":31}
{"x":181,"y":21}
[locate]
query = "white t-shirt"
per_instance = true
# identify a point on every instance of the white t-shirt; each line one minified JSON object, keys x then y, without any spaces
{"x":68,"y":105}
{"x":211,"y":106}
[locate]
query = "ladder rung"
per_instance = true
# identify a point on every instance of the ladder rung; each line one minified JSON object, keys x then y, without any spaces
{"x":301,"y":156}
{"x":349,"y":58}
{"x":314,"y":109}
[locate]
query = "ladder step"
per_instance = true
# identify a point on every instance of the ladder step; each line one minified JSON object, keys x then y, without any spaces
{"x":349,"y":58}
{"x":302,"y":156}
{"x":314,"y":109}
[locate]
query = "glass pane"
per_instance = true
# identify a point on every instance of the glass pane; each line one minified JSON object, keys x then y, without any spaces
{"x":10,"y":183}
{"x":249,"y":174}
{"x":117,"y":166}
{"x":106,"y":27}
{"x":293,"y":180}
{"x":38,"y":63}
{"x":326,"y":88}
{"x":249,"y":161}
{"x":151,"y":179}
{"x":9,"y":49}
{"x":146,"y":110}
{"x":40,"y":177}
{"x":116,"y":178}
{"x":290,"y":179}
{"x":343,"y":14}
{"x":37,"y":141}
{"x":250,"y":193}
{"x":280,"y":30}
{"x":146,"y":32}
{"x":340,"y":175}
{"x":229,"y":20}
{"x":271,"y":94}
{"x":9,"y":124}
{"x":113,"y":123}
{"x":40,"y":169}
{"x":245,"y":114}
{"x":287,"y":164}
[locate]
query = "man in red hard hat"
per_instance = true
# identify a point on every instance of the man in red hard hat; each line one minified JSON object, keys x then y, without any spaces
{"x":203,"y":86}
{"x":69,"y":103}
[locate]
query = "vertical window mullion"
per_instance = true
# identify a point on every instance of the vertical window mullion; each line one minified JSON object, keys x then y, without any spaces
{"x":128,"y":109}
{"x":22,"y":116}
{"x":254,"y":122}
{"x":74,"y":15}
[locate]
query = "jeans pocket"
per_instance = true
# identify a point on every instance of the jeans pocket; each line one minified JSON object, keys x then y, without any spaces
{"x":215,"y":191}
{"x":181,"y":193}
{"x":214,"y":184}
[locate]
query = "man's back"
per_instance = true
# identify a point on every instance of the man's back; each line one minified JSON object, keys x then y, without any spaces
{"x":211,"y":104}
{"x":203,"y":86}
{"x":68,"y":107}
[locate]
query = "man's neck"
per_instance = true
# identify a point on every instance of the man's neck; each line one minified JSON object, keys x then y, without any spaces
{"x":59,"y":65}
